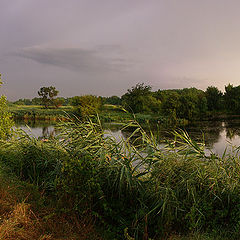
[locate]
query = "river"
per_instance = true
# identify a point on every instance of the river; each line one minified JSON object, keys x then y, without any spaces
{"x":218,"y":135}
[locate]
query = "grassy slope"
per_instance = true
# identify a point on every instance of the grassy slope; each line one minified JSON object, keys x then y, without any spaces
{"x":24,"y":216}
{"x":185,"y":189}
{"x":109,"y":113}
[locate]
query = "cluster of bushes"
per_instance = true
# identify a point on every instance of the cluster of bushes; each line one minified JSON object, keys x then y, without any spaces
{"x":187,"y":103}
{"x":38,"y":101}
{"x":134,"y":188}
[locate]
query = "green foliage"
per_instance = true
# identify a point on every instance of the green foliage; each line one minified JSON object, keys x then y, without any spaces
{"x":38,"y":101}
{"x":139,"y":99}
{"x":23,"y":102}
{"x":170,"y":102}
{"x":132,"y":187}
{"x":36,"y":112}
{"x":37,"y":162}
{"x":175,"y":105}
{"x":187,"y":103}
{"x":113,"y":100}
{"x":214,"y":98}
{"x":6,"y":123}
{"x":193,"y":104}
{"x":232,"y":98}
{"x":47,"y":95}
{"x":86,"y":105}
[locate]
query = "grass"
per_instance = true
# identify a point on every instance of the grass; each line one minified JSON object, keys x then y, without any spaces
{"x":24,"y":216}
{"x":133,"y":189}
{"x":109,"y":113}
{"x":38,"y":112}
{"x":117,"y":114}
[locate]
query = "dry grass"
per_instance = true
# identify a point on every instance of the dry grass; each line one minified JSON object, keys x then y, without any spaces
{"x":19,"y":222}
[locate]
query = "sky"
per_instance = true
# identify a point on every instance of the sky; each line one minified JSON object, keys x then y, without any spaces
{"x":106,"y":47}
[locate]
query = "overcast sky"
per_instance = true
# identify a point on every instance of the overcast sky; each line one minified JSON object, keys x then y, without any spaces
{"x":104,"y":47}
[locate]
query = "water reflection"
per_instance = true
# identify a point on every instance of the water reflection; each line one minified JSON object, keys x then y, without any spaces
{"x":217,"y":134}
{"x":47,"y":132}
{"x":38,"y":129}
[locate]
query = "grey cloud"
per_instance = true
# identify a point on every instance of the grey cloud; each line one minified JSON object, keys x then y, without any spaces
{"x":76,"y":59}
{"x":170,"y":44}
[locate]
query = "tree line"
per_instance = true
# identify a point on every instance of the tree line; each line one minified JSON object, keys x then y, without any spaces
{"x":186,"y":103}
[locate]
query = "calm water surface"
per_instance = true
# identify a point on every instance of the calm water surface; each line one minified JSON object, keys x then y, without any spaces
{"x":218,"y":135}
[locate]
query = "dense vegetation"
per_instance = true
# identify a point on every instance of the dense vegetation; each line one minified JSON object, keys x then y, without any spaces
{"x":47,"y":96}
{"x":169,"y":106}
{"x":6,"y":123}
{"x":36,"y":112}
{"x":133,"y":188}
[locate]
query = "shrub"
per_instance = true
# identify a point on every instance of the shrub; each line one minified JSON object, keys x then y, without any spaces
{"x":6,"y":123}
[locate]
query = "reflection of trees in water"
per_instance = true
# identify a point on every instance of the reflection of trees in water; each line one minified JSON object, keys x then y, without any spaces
{"x":45,"y":132}
{"x":232,"y":128}
{"x":48,"y":133}
{"x":212,"y":130}
{"x":47,"y":127}
{"x":34,"y":123}
{"x":127,"y":133}
{"x":160,"y":133}
{"x":112,"y":127}
{"x":209,"y":131}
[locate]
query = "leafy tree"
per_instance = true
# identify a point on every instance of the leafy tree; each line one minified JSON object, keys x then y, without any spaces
{"x":86,"y":105}
{"x":114,"y":100}
{"x":23,"y":102}
{"x":188,"y":103}
{"x":6,"y":123}
{"x":47,"y":95}
{"x":169,"y":103}
{"x":61,"y":101}
{"x":140,"y":99}
{"x":68,"y":101}
{"x":232,"y":98}
{"x":214,"y":97}
{"x":36,"y":101}
{"x":202,"y":105}
{"x":193,"y":104}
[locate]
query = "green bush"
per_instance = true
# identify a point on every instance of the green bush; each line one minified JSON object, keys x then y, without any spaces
{"x":87,"y":105}
{"x":6,"y":123}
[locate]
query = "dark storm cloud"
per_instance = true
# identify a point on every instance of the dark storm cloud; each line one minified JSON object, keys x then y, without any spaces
{"x":75,"y":59}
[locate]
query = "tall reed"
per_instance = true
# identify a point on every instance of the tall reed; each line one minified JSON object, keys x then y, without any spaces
{"x":133,"y":185}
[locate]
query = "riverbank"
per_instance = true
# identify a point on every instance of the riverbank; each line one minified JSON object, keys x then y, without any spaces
{"x":26,"y":214}
{"x":170,"y":192}
{"x":215,"y":116}
{"x":36,"y":112}
{"x":109,"y":113}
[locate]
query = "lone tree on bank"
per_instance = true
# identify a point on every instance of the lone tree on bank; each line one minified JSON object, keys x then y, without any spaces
{"x":47,"y":95}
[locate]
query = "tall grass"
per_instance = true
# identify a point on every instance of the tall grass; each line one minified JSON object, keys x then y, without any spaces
{"x":25,"y":216}
{"x":133,"y":185}
{"x":35,"y":112}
